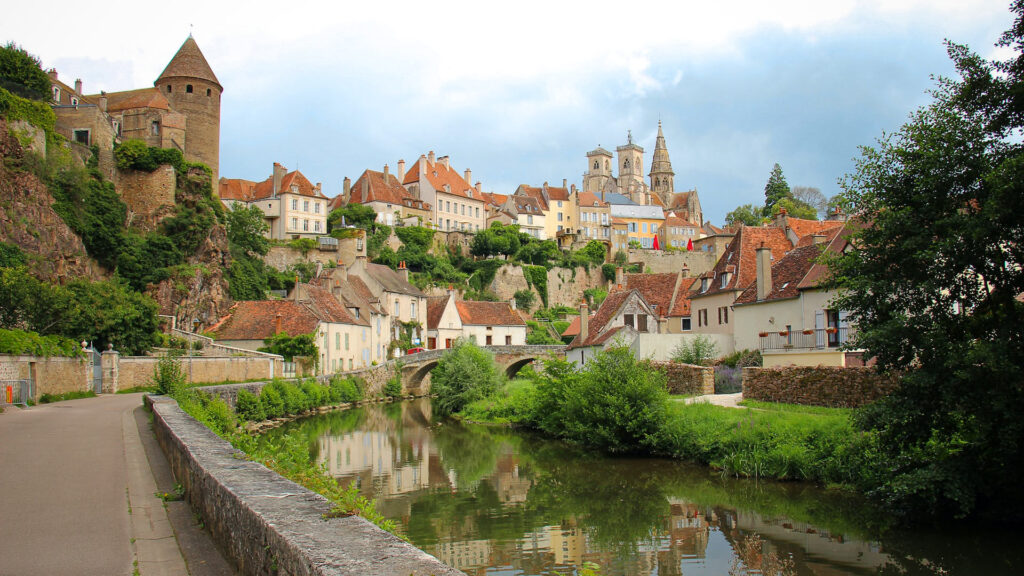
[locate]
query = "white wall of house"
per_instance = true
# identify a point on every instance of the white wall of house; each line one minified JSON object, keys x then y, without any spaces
{"x":660,"y":347}
{"x":499,"y":335}
{"x":449,"y":326}
{"x":771,"y":316}
{"x":343,"y":347}
{"x":716,"y":324}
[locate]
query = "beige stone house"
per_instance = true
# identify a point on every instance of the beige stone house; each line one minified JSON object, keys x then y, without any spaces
{"x":486,"y":323}
{"x":557,"y":203}
{"x":618,"y":320}
{"x":456,"y":205}
{"x":292,"y":206}
{"x":404,"y":305}
{"x":384,"y":192}
{"x":594,"y":220}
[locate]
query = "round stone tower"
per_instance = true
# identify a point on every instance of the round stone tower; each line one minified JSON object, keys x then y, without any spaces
{"x":192,"y":88}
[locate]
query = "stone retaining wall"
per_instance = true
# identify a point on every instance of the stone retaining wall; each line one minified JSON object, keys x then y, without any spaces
{"x":687,"y":378}
{"x":817,"y":386}
{"x":54,"y":375}
{"x":135,"y":371}
{"x":266,"y":524}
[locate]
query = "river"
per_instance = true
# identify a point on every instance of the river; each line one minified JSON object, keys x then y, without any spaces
{"x":496,"y":501}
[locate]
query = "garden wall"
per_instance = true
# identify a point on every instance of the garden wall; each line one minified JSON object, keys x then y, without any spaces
{"x":135,"y":371}
{"x":266,"y":524}
{"x":817,"y":386}
{"x":687,"y":378}
{"x":54,"y":375}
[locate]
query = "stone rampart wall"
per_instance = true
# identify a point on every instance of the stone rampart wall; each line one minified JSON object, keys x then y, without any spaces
{"x":687,"y":378}
{"x":817,"y":386}
{"x":54,"y":375}
{"x":138,"y":370}
{"x":147,"y":194}
{"x":663,"y":262}
{"x":266,"y":524}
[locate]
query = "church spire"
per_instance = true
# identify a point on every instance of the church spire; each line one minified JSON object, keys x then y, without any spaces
{"x":662,"y":176}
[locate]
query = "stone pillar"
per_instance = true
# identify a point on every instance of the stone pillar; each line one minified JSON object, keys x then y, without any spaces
{"x":110,"y":361}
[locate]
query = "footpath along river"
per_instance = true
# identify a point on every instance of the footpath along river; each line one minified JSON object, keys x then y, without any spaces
{"x":496,"y":501}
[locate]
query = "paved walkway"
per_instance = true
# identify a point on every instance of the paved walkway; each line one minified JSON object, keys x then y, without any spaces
{"x":727,"y":400}
{"x":77,"y":495}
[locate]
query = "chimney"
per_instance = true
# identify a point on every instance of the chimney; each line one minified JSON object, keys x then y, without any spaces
{"x":469,"y":176}
{"x":423,"y":164}
{"x":316,"y":189}
{"x":764,"y":272}
{"x":573,"y":188}
{"x":403,"y":270}
{"x":103,"y":101}
{"x":366,"y":188}
{"x":340,"y":272}
{"x":620,"y":276}
{"x":52,"y":72}
{"x":444,"y":160}
{"x":296,"y":289}
{"x":819,"y":238}
{"x":279,"y":172}
{"x":584,"y":321}
{"x":401,"y":171}
{"x":277,"y":324}
{"x":386,"y":174}
{"x":78,"y":86}
{"x":512,"y":303}
{"x":430,"y":158}
{"x":479,"y":187}
{"x":565,"y":182}
{"x":685,"y":270}
{"x":346,"y":189}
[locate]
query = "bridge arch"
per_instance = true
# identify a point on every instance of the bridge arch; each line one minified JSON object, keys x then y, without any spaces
{"x":513,"y":368}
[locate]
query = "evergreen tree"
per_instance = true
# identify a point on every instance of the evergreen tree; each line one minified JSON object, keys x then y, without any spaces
{"x":776,"y":189}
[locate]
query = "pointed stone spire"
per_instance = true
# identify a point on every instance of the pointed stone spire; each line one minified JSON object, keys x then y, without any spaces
{"x":189,"y":62}
{"x":662,"y":176}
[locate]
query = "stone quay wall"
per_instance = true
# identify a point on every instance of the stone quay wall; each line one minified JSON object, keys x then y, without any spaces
{"x":266,"y":524}
{"x":830,"y":386}
{"x":687,"y":378}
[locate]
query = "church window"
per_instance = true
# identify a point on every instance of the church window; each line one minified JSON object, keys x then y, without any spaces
{"x":595,"y":165}
{"x":625,"y":165}
{"x":188,"y":88}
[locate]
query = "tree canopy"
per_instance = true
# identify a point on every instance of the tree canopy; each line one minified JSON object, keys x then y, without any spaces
{"x":933,"y":284}
{"x":775,"y":189}
{"x":22,"y":73}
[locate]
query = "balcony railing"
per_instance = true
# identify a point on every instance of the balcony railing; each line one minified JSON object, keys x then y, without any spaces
{"x":817,"y":339}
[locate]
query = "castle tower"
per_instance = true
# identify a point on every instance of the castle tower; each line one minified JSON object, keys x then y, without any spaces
{"x":191,"y":87}
{"x":662,"y":176}
{"x":631,"y":167}
{"x":599,"y":170}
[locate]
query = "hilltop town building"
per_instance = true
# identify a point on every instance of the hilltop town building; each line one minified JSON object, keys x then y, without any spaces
{"x":292,"y":206}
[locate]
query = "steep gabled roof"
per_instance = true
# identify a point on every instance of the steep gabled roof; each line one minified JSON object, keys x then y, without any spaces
{"x":839,"y":239}
{"x":378,"y":189}
{"x":526,"y":204}
{"x":591,"y":200}
{"x":189,"y":62}
{"x":392,"y":281}
{"x":265,"y":189}
{"x":236,"y":189}
{"x":681,"y":306}
{"x":656,"y":289}
{"x":597,"y":330}
{"x":679,"y":221}
{"x":257,"y":320}
{"x":436,"y":306}
{"x":488,"y":313}
{"x":328,"y":308}
{"x":786,"y":275}
{"x":141,"y":98}
{"x":440,"y":175}
{"x":802,"y":227}
{"x":740,"y":259}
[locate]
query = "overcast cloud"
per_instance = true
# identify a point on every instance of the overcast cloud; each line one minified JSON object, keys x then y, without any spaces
{"x":519,"y":93}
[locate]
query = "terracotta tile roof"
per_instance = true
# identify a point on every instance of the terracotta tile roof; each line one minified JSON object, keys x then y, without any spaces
{"x":435,"y":309}
{"x":656,"y":289}
{"x":574,"y":326}
{"x":392,"y":281}
{"x":837,"y":243}
{"x":527,"y":204}
{"x":359,"y":293}
{"x":257,"y":320}
{"x":739,"y":259}
{"x":619,"y":221}
{"x":713,"y":229}
{"x":680,"y":200}
{"x":803,"y":227}
{"x":335,"y":203}
{"x":493,"y":199}
{"x":786,"y":275}
{"x":141,"y":98}
{"x":236,"y":189}
{"x":379,"y":189}
{"x":328,"y":308}
{"x":591,"y":200}
{"x":678,"y":221}
{"x":189,"y":62}
{"x":554,"y":193}
{"x":681,"y":307}
{"x":488,"y":313}
{"x":439,"y":175}
{"x":265,"y":189}
{"x":596,"y":324}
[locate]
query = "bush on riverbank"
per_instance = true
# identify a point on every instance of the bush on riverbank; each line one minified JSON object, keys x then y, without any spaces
{"x":280,"y":398}
{"x":465,"y":374}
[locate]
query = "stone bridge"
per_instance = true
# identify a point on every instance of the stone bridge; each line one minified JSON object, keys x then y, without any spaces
{"x":416,"y":367}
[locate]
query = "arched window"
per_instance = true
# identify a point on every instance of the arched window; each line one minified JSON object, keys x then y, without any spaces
{"x":595,"y":165}
{"x":625,"y":165}
{"x":607,"y":165}
{"x":188,"y":88}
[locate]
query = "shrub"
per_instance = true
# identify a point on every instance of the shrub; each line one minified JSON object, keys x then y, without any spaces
{"x":248,"y":406}
{"x":168,"y":377}
{"x":466,"y":373}
{"x":743,"y":359}
{"x":608,"y":271}
{"x":700,"y":351}
{"x":271,"y":402}
{"x":22,"y":342}
{"x":316,"y":395}
{"x":393,"y":387}
{"x":345,"y":390}
{"x":524,"y":299}
{"x":22,"y":73}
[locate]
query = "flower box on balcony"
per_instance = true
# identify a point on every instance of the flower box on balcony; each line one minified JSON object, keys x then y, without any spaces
{"x":762,"y":334}
{"x":783,"y":333}
{"x":831,"y":330}
{"x":808,"y":331}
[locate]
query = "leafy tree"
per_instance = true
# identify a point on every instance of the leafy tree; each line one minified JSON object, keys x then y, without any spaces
{"x":775,"y":189}
{"x":932,"y":286}
{"x":464,"y":374}
{"x":812,"y":197}
{"x":11,"y":256}
{"x":795,"y":208}
{"x":747,"y":214}
{"x":538,"y":253}
{"x":358,"y":215}
{"x":291,"y":346}
{"x":594,"y":252}
{"x":23,"y":73}
{"x":112,"y":313}
{"x":247,"y":228}
{"x":498,"y":240}
{"x":524,"y":299}
{"x":144,"y":259}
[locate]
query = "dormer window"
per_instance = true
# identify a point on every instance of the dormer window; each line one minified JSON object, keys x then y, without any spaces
{"x":74,"y":101}
{"x":469,"y":192}
{"x":703,"y":284}
{"x":725,"y":279}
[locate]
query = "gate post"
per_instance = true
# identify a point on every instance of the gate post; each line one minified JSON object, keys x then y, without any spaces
{"x":110,"y":361}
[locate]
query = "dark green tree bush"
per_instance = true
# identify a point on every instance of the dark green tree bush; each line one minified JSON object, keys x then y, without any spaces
{"x":22,"y":73}
{"x":466,"y":373}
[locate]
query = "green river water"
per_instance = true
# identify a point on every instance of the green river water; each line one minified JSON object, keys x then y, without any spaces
{"x":496,"y":501}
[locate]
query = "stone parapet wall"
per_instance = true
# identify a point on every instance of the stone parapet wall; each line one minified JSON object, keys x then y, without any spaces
{"x":817,"y":386}
{"x":54,"y":375}
{"x":266,"y":524}
{"x":664,"y":262}
{"x":687,"y":378}
{"x":138,"y":370}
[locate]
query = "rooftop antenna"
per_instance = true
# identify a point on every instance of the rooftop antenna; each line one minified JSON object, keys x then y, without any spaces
{"x":190,"y":30}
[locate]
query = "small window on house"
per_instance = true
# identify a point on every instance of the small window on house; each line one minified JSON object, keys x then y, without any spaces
{"x":74,"y":101}
{"x":627,"y":319}
{"x":305,"y":225}
{"x":209,"y":92}
{"x":82,"y":137}
{"x":725,"y":279}
{"x":703,"y":284}
{"x":305,"y":205}
{"x":168,"y":88}
{"x":508,"y":340}
{"x":641,"y":322}
{"x":188,"y":88}
{"x":56,"y":94}
{"x":684,"y":324}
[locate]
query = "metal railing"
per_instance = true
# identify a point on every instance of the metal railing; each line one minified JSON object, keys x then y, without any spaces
{"x":14,"y":392}
{"x":817,"y":339}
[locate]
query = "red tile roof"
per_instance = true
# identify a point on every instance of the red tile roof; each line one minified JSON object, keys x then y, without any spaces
{"x":141,"y":98}
{"x":257,"y":320}
{"x":803,"y":227}
{"x":527,"y":204}
{"x":739,"y":259}
{"x":591,"y":200}
{"x":681,"y":307}
{"x":839,"y":238}
{"x":786,"y":275}
{"x":656,"y":289}
{"x":236,"y":189}
{"x":379,"y":189}
{"x":574,"y":326}
{"x":439,"y":175}
{"x":435,"y":309}
{"x":596,"y":325}
{"x":265,"y":189}
{"x":328,"y":308}
{"x":678,"y":221}
{"x":189,"y":62}
{"x":488,"y":313}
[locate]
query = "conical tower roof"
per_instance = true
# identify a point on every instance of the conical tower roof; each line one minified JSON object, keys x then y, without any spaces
{"x":661,"y":164}
{"x":189,"y":62}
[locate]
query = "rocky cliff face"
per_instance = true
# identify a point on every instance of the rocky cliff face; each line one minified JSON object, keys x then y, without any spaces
{"x":27,"y":220}
{"x":198,"y":291}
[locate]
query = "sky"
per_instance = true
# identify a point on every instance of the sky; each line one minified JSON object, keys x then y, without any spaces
{"x":519,"y":92}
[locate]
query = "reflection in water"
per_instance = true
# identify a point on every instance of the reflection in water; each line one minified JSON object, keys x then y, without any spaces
{"x":494,"y":501}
